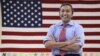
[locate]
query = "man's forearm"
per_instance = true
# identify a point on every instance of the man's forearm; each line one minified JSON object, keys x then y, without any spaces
{"x":53,"y":44}
{"x":72,"y":47}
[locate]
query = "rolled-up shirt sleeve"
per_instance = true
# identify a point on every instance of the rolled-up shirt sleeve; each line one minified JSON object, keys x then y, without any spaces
{"x":79,"y":31}
{"x":49,"y":33}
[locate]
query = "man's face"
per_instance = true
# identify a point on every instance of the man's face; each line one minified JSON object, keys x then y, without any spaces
{"x":65,"y":13}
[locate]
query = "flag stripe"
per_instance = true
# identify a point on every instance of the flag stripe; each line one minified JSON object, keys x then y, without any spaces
{"x":45,"y":13}
{"x":49,"y":5}
{"x":16,"y":45}
{"x":74,"y":17}
{"x":10,"y":37}
{"x":41,"y":41}
{"x":76,"y":9}
{"x":40,"y":33}
{"x":42,"y":50}
{"x":84,"y":25}
{"x":72,"y":2}
{"x":42,"y":29}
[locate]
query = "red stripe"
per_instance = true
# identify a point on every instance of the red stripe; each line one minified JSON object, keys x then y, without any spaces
{"x":42,"y":50}
{"x":39,"y":33}
{"x":84,"y":25}
{"x":41,"y":41}
{"x":74,"y":17}
{"x":72,"y":2}
{"x":23,"y":41}
{"x":24,"y":33}
{"x":75,"y":9}
{"x":92,"y":41}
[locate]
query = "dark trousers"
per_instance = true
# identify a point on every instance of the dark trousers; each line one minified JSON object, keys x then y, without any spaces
{"x":70,"y":55}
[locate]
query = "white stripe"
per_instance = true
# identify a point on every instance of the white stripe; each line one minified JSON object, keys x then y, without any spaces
{"x":12,"y":29}
{"x":92,"y":38}
{"x":45,"y":5}
{"x":41,"y":46}
{"x":7,"y":37}
{"x":92,"y":45}
{"x":78,"y":21}
{"x":22,"y":46}
{"x":75,"y":13}
{"x":92,"y":29}
{"x":42,"y":29}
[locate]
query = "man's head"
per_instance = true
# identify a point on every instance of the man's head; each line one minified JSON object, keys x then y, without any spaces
{"x":66,"y":12}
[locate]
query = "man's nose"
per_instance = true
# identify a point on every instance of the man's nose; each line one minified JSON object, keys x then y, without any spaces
{"x":65,"y":13}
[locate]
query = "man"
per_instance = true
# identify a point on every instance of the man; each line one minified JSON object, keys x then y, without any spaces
{"x":72,"y":34}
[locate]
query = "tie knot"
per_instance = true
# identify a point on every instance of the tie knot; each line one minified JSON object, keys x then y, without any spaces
{"x":64,"y":25}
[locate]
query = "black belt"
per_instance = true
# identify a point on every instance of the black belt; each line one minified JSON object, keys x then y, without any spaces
{"x":70,"y":55}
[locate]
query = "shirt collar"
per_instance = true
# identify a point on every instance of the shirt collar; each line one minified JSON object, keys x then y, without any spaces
{"x":69,"y":23}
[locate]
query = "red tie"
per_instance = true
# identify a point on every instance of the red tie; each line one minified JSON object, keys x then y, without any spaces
{"x":62,"y":38}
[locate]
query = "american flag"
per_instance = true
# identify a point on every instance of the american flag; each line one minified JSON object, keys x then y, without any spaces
{"x":26,"y":22}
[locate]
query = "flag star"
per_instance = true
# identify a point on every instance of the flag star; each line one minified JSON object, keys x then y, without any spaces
{"x":8,"y":15}
{"x":7,"y":4}
{"x":15,"y":10}
{"x":25,"y":24}
{"x":39,"y":8}
{"x":39,"y":13}
{"x":5,"y":23}
{"x":11,"y":18}
{"x":14,"y":4}
{"x":32,"y":13}
{"x":17,"y":2}
{"x":35,"y":10}
{"x":28,"y":11}
{"x":18,"y":18}
{"x":22,"y":15}
{"x":25,"y":7}
{"x":21,"y":4}
{"x":22,"y":21}
{"x":29,"y":21}
{"x":4,"y":17}
{"x":4,"y":1}
{"x":15,"y":21}
{"x":4,"y":12}
{"x":25,"y":13}
{"x":32,"y":24}
{"x":18,"y":7}
{"x":35,"y":5}
{"x":22,"y":10}
{"x":39,"y":24}
{"x":18,"y":13}
{"x":36,"y":22}
{"x":39,"y":19}
{"x":38,"y":2}
{"x":32,"y":2}
{"x":18,"y":24}
{"x":25,"y":19}
{"x":11,"y":7}
{"x":7,"y":9}
{"x":15,"y":15}
{"x":4,"y":6}
{"x":10,"y":1}
{"x":32,"y":8}
{"x":32,"y":19}
{"x":28,"y":5}
{"x":29,"y":16}
{"x":8,"y":21}
{"x":11,"y":24}
{"x":35,"y":16}
{"x":24,"y":2}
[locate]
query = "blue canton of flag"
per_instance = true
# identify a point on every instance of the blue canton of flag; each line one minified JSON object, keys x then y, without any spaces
{"x":21,"y":13}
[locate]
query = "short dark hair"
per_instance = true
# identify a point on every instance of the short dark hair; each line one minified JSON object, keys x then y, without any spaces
{"x":68,"y":5}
